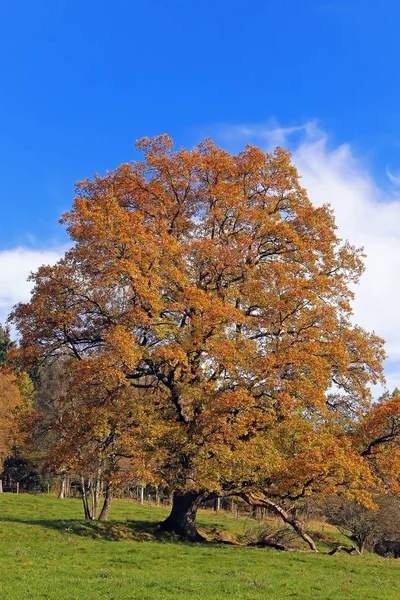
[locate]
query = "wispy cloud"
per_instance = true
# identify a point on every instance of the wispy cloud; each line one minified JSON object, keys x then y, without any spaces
{"x":393,"y":178}
{"x":269,"y":134}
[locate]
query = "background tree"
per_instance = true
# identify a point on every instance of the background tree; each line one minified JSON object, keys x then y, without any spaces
{"x":6,"y":345}
{"x":211,"y":284}
{"x":16,"y":394}
{"x":82,"y":427}
{"x":10,"y":399}
{"x":367,"y":527}
{"x":8,"y":363}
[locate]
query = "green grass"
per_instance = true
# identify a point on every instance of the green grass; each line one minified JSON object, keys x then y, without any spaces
{"x":47,"y":551}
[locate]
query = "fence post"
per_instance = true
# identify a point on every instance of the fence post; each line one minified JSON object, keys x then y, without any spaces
{"x":1,"y":486}
{"x":17,"y":487}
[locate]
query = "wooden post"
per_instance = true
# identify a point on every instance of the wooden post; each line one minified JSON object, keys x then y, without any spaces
{"x":17,"y":487}
{"x":141,"y":494}
{"x":1,"y":486}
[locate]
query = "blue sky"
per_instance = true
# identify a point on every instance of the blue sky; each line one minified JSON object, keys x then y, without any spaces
{"x":81,"y":81}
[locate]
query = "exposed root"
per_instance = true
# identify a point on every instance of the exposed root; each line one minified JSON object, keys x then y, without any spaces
{"x":345,"y":549}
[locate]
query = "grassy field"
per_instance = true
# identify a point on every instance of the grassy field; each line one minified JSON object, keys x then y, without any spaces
{"x":48,"y":551}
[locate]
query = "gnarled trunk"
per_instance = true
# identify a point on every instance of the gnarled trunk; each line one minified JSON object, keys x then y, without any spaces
{"x":182,"y":519}
{"x":258,"y":500}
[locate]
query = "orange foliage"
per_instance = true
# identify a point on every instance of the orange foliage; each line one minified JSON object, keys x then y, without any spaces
{"x":213,"y":287}
{"x":10,"y":399}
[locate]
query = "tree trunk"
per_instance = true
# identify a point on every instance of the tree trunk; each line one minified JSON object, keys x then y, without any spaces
{"x":85,"y":499}
{"x":182,"y":519}
{"x":96,"y":494}
{"x":107,"y":504}
{"x":62,"y":493}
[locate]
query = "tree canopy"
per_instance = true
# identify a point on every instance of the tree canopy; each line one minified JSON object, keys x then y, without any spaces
{"x":210,"y":302}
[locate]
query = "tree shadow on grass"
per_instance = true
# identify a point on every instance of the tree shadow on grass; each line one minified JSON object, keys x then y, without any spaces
{"x":139,"y":531}
{"x":113,"y":531}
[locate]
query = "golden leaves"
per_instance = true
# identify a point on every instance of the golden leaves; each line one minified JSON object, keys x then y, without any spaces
{"x":208,"y":304}
{"x":10,"y":400}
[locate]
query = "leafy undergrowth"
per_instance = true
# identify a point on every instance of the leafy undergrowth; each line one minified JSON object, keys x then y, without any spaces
{"x":47,"y":551}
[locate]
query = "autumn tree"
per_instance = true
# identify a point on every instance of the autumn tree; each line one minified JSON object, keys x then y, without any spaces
{"x":367,"y":527}
{"x":6,"y":344}
{"x":16,"y":390}
{"x":10,"y":400}
{"x":9,"y":364}
{"x":211,"y":284}
{"x":89,"y":424}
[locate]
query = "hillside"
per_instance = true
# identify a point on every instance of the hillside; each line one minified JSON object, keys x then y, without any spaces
{"x":47,"y":551}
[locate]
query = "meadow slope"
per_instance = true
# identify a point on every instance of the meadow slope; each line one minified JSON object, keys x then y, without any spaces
{"x":47,"y":551}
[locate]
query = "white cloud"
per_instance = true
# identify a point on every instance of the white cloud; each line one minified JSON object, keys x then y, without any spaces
{"x":15,"y":267}
{"x":366,"y":215}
